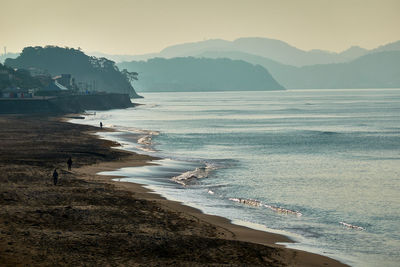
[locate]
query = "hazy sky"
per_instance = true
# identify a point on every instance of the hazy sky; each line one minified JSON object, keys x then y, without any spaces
{"x":144,"y":26}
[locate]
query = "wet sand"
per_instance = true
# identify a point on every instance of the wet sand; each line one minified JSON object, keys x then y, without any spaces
{"x":88,"y":219}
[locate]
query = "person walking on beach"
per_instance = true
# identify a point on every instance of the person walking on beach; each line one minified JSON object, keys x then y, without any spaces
{"x":69,"y":162}
{"x":101,"y":125}
{"x":55,"y":176}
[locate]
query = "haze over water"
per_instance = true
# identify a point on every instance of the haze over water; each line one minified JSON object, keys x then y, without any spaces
{"x":331,"y":155}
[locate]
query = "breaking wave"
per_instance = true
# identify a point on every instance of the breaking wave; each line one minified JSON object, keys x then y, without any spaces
{"x":257,"y":203}
{"x":250,"y":202}
{"x":198,"y":173}
{"x":283,"y":210}
{"x":352,"y":226}
{"x":144,"y":137}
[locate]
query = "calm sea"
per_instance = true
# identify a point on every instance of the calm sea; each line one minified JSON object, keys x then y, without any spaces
{"x":320,"y":166}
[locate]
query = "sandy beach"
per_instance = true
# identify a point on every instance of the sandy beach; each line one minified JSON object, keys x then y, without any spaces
{"x":88,"y":219}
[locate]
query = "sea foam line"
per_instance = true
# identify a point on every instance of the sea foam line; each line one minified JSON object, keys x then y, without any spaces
{"x":257,"y":203}
{"x":352,"y":226}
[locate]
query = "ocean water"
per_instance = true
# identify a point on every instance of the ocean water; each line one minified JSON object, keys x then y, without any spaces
{"x":320,"y":166}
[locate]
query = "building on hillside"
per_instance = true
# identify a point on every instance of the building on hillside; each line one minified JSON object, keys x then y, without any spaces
{"x":65,"y":80}
{"x":56,"y":86}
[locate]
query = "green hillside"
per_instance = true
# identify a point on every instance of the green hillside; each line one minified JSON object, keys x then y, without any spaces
{"x":101,"y":73}
{"x":374,"y":70}
{"x":10,"y":78}
{"x":200,"y":74}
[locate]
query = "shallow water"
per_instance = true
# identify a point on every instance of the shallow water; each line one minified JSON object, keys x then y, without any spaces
{"x":322,"y":166}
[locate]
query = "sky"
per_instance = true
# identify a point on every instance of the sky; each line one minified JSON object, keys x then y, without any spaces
{"x":145,"y":26}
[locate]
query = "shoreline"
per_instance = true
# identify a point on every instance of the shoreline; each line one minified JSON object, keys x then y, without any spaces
{"x":88,"y":219}
{"x":230,"y":231}
{"x":233,"y":231}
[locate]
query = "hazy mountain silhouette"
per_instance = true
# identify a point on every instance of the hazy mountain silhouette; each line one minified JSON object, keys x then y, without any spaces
{"x":276,"y":50}
{"x":101,"y":73}
{"x":195,"y":74}
{"x":395,"y":46}
{"x":187,"y":49}
{"x":374,"y":70}
{"x":285,"y":53}
{"x":281,"y":72}
{"x":180,"y":50}
{"x":269,"y":48}
{"x":353,"y":53}
{"x":289,"y":66}
{"x":116,"y":57}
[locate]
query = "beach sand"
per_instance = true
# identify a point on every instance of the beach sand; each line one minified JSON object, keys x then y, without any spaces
{"x":88,"y":219}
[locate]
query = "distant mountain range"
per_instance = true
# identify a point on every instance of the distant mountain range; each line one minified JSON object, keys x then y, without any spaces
{"x":293,"y":68}
{"x":289,"y":66}
{"x":268,"y":48}
{"x":115,"y":58}
{"x":199,"y":74}
{"x":373,"y":70}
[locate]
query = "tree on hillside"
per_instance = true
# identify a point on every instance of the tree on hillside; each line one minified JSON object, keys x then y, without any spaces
{"x":21,"y":78}
{"x":130,"y":76}
{"x":85,"y":69}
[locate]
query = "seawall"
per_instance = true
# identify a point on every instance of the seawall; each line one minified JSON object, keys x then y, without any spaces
{"x":64,"y":104}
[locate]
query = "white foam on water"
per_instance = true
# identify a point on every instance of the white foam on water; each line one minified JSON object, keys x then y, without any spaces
{"x":198,"y":173}
{"x":303,"y":156}
{"x":257,"y":203}
{"x":250,"y":202}
{"x":283,"y":210}
{"x":352,"y":226}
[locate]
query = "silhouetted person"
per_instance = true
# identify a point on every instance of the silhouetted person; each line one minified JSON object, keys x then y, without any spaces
{"x":55,"y":176}
{"x":69,"y":162}
{"x":101,"y":125}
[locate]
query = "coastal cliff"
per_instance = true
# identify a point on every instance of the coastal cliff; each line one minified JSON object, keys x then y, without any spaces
{"x":64,"y":104}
